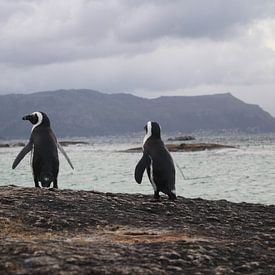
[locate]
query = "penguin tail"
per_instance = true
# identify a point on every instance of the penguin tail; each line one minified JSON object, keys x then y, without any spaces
{"x":46,"y":180}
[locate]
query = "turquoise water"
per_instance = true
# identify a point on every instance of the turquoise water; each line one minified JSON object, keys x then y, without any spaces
{"x":246,"y":174}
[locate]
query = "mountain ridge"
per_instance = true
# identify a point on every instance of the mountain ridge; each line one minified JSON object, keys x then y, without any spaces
{"x":87,"y":113}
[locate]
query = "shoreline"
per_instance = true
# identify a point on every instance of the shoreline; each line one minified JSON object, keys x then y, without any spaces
{"x":80,"y":232}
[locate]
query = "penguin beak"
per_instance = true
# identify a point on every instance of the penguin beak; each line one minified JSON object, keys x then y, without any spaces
{"x":28,"y":117}
{"x":31,"y":118}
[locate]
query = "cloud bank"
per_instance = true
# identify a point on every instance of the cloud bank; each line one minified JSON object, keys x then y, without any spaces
{"x":148,"y":48}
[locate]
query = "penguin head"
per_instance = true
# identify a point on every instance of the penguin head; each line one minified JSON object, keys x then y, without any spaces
{"x":152,"y":129}
{"x":38,"y":118}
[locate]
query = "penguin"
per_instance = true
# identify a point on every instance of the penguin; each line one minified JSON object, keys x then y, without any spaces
{"x":158,"y":162}
{"x":44,"y":154}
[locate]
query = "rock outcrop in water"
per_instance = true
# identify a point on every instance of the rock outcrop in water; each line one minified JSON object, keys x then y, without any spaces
{"x":181,"y":138}
{"x":81,"y":232}
{"x":7,"y":145}
{"x":187,"y":147}
{"x":63,"y":143}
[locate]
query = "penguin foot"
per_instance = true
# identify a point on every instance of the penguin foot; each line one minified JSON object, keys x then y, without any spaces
{"x":156,"y":197}
{"x":172,"y":198}
{"x":55,"y":184}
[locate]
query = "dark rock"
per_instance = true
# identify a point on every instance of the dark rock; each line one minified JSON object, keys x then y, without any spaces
{"x":4,"y":145}
{"x":181,"y":138}
{"x":174,"y":268}
{"x":187,"y":147}
{"x":40,"y":261}
{"x":18,"y":144}
{"x":43,"y":232}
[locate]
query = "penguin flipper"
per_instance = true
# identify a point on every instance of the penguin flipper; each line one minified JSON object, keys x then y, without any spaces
{"x":64,"y":154}
{"x":22,"y":154}
{"x":141,"y":166}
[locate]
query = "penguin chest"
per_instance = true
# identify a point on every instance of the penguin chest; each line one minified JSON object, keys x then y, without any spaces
{"x":32,"y":156}
{"x":150,"y":172}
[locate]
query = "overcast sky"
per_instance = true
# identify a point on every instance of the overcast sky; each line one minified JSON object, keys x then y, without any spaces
{"x":144,"y":47}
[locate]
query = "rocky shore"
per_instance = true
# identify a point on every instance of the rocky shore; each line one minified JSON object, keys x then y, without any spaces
{"x":82,"y":232}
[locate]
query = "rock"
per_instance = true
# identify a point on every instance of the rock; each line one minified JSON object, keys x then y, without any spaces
{"x":18,"y":144}
{"x":172,"y":255}
{"x":4,"y":145}
{"x":181,"y":138}
{"x":63,"y":143}
{"x":245,"y":268}
{"x":220,"y":270}
{"x":40,"y":261}
{"x":174,"y":268}
{"x":82,"y":232}
{"x":186,"y":147}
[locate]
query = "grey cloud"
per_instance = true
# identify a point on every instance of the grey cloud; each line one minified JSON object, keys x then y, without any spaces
{"x":36,"y":34}
{"x":173,"y":67}
{"x":190,"y":18}
{"x":10,"y":8}
{"x":84,"y":30}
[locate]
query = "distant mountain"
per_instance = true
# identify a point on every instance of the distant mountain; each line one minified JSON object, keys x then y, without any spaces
{"x":90,"y":113}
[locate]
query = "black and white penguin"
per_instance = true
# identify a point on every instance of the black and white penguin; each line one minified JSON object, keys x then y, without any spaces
{"x":43,"y":146}
{"x":158,"y":162}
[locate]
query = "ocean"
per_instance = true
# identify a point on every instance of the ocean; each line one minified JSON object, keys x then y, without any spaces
{"x":244,"y":174}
